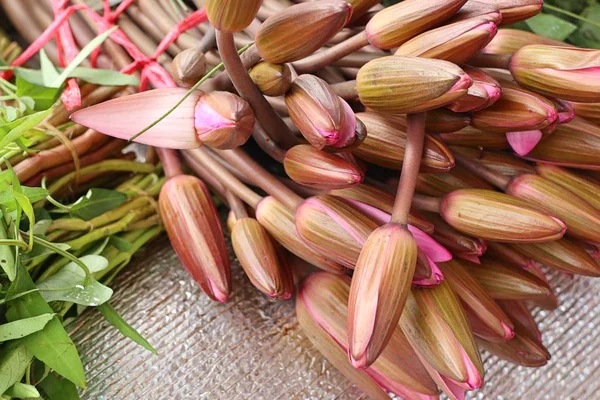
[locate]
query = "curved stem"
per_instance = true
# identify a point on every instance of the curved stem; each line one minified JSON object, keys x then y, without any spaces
{"x":346,"y":90}
{"x":266,"y":116}
{"x":267,"y":145}
{"x":222,"y":81}
{"x":204,"y":174}
{"x":208,"y":41}
{"x":324,"y":58}
{"x":481,"y":60}
{"x":236,"y":205}
{"x":427,"y":203}
{"x":261,"y":177}
{"x":357,"y":60}
{"x":415,"y":133}
{"x":170,"y":162}
{"x":495,"y":178}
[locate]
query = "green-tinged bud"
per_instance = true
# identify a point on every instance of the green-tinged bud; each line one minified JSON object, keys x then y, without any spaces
{"x":441,"y":184}
{"x":272,"y":79}
{"x":380,"y":285}
{"x":581,"y":218}
{"x":396,"y":24}
{"x":568,"y":73}
{"x":578,"y":184}
{"x":386,"y":141}
{"x":506,"y":253}
{"x":564,"y":255}
{"x":300,"y":30}
{"x":516,"y":110}
{"x":496,"y":216}
{"x":279,"y":222}
{"x":471,"y":137}
{"x":223,"y":120}
{"x":188,"y":67}
{"x":231,"y":15}
{"x":442,"y":120}
{"x":576,"y":144}
{"x":512,"y":10}
{"x":333,"y":228}
{"x":264,"y":265}
{"x":360,"y":8}
{"x":484,"y":92}
{"x":309,"y":166}
{"x":194,"y":229}
{"x":454,"y":240}
{"x":436,"y":326}
{"x":506,"y":282}
{"x":589,"y":111}
{"x":517,"y":311}
{"x":508,"y":41}
{"x":370,"y":196}
{"x":487,"y":319}
{"x":323,"y":118}
{"x":504,"y":163}
{"x":323,"y":313}
{"x":526,"y":348}
{"x":400,"y":84}
{"x":456,"y":42}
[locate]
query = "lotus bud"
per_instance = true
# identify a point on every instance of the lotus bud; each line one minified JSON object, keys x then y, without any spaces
{"x":231,"y":16}
{"x":220,"y":119}
{"x":427,"y":273}
{"x":564,"y":72}
{"x":188,"y":67}
{"x":505,"y":282}
{"x":487,"y":319}
{"x":576,"y":144}
{"x":322,"y":117}
{"x":582,"y":187}
{"x":386,"y":141}
{"x":441,"y":184}
{"x":455,"y":241}
{"x":589,"y":111}
{"x":231,"y":220}
{"x":398,"y":23}
{"x":300,"y":30}
{"x":564,"y":255}
{"x":518,"y":312}
{"x":400,"y":84}
{"x":263,"y":264}
{"x":455,"y":42}
{"x":483,"y":93}
{"x":360,"y":8}
{"x":223,"y":120}
{"x":496,"y":216}
{"x":194,"y":229}
{"x":442,"y":120}
{"x":512,"y":10}
{"x":279,"y":222}
{"x":503,"y":163}
{"x":508,"y":41}
{"x":517,"y":109}
{"x":311,"y":167}
{"x":581,"y":218}
{"x":322,"y":312}
{"x":436,"y":326}
{"x":506,"y":253}
{"x":333,"y":228}
{"x":365,"y":195}
{"x":381,"y":282}
{"x":471,"y":137}
{"x":272,"y":79}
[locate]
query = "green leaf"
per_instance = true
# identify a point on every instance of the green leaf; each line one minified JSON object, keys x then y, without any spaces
{"x":23,"y":327}
{"x":105,"y":77}
{"x":96,"y":202}
{"x":127,"y":330}
{"x":52,"y":345}
{"x":71,"y":284}
{"x":7,"y":257}
{"x":27,"y":85}
{"x":22,"y":391}
{"x":34,"y":194}
{"x":57,"y":388}
{"x":120,"y":244}
{"x":11,"y":113}
{"x":551,"y":26}
{"x":25,"y":124}
{"x":82,"y":55}
{"x":28,"y":210}
{"x":49,"y":73}
{"x":588,"y":35}
{"x":14,"y":359}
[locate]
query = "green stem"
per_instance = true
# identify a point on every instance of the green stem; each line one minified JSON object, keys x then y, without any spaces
{"x":66,"y":254}
{"x":570,"y":14}
{"x":14,"y":242}
{"x":185,"y":96}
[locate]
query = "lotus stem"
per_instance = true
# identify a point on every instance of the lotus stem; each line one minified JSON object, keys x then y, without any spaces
{"x":170,"y":162}
{"x":346,"y":90}
{"x":495,"y":178}
{"x":267,"y":145}
{"x":236,"y":205}
{"x":204,"y":174}
{"x":427,"y":203}
{"x":322,"y":59}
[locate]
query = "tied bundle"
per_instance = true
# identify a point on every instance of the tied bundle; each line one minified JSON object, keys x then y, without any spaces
{"x":432,"y":165}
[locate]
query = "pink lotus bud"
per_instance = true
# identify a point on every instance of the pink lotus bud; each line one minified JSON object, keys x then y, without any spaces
{"x":589,"y":111}
{"x":508,"y":41}
{"x":323,"y":118}
{"x":194,"y":229}
{"x":454,"y":240}
{"x":441,"y":184}
{"x":427,"y":272}
{"x":503,"y":163}
{"x":231,"y":15}
{"x":582,"y":186}
{"x":512,"y":10}
{"x":483,"y":93}
{"x":442,"y":120}
{"x":221,"y":119}
{"x":471,"y":137}
{"x":524,"y":141}
{"x":568,"y":73}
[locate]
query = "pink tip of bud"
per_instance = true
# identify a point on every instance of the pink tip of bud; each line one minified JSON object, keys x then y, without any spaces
{"x":509,"y":332}
{"x":436,"y":274}
{"x":469,"y":257}
{"x":464,"y":82}
{"x":524,"y":142}
{"x":432,"y":249}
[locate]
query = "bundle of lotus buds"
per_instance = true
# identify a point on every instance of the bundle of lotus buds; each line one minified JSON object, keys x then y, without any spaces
{"x":434,"y":165}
